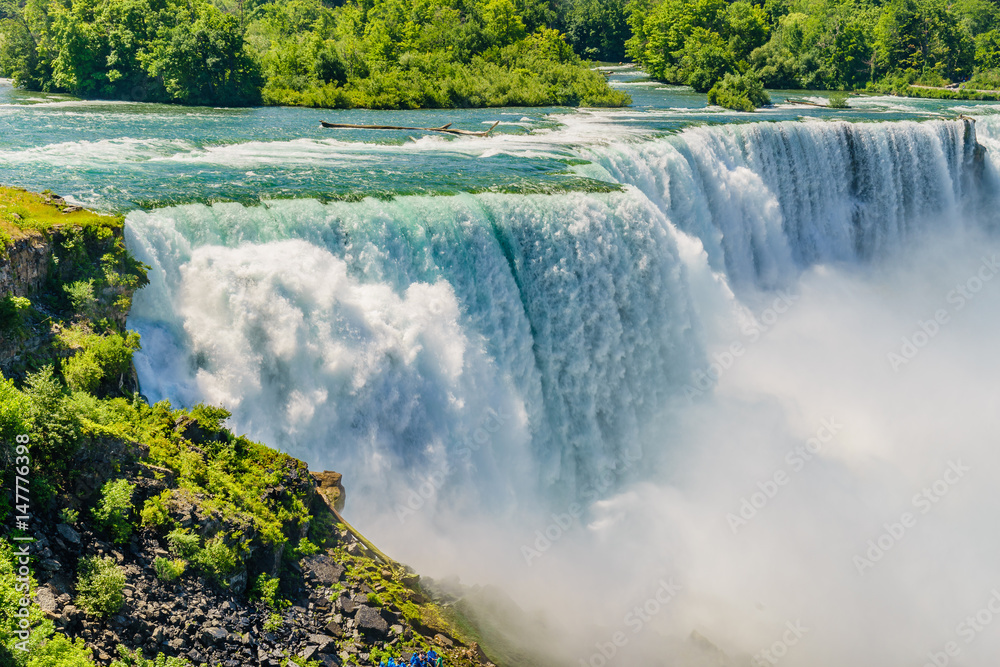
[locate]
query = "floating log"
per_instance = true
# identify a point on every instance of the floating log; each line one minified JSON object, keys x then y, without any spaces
{"x":812,"y":104}
{"x":444,"y":128}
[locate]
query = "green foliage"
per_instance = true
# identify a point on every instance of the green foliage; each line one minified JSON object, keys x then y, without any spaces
{"x":99,"y":586}
{"x":362,"y":53}
{"x":305,"y":548}
{"x":81,"y":296}
{"x":127,"y":658}
{"x":273,"y":622}
{"x":740,"y":92}
{"x":155,"y":513}
{"x":12,"y":312}
{"x":14,"y":411}
{"x":822,"y":44}
{"x":56,"y":427}
{"x":114,"y":509}
{"x":183,"y":544}
{"x":169,"y":570}
{"x":985,"y":79}
{"x":597,"y":29}
{"x":69,"y":516}
{"x":216,"y":559}
{"x":101,"y":362}
{"x":265,"y":589}
{"x":838,"y":100}
{"x":202,"y":59}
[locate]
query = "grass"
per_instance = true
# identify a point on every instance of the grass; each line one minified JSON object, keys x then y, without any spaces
{"x":23,"y":214}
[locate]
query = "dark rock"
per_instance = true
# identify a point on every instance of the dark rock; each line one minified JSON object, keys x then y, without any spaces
{"x":213,"y":635}
{"x":323,"y":569}
{"x":334,"y":629}
{"x":370,"y":621}
{"x":68,"y":533}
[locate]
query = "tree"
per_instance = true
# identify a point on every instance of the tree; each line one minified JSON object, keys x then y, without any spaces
{"x":204,"y":60}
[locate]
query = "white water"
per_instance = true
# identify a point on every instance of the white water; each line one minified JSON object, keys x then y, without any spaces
{"x":516,"y":354}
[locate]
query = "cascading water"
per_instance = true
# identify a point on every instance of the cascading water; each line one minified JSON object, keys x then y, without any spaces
{"x":377,"y":336}
{"x":516,"y":354}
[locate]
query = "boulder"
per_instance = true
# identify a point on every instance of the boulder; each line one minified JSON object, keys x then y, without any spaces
{"x":325,"y":570}
{"x":213,"y":636}
{"x":330,"y":487}
{"x":369,"y":621}
{"x":68,"y":533}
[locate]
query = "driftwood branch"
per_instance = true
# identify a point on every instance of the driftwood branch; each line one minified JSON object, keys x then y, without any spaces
{"x":812,"y":104}
{"x":444,"y":128}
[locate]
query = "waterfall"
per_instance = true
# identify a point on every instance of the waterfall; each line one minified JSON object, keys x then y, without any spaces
{"x":517,"y":344}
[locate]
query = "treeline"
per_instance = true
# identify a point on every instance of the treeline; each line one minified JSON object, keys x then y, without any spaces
{"x":361,"y":53}
{"x":817,"y":44}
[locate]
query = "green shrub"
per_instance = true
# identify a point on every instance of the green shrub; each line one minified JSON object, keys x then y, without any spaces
{"x":70,"y":516}
{"x":183,"y":544}
{"x":99,"y":586}
{"x":100,"y":363}
{"x":273,"y":622}
{"x":740,"y":92}
{"x":169,"y":570}
{"x":12,"y":312}
{"x":838,"y":100}
{"x":114,"y":509}
{"x":216,"y":560}
{"x":305,"y":548}
{"x":13,"y":411}
{"x":135,"y":658}
{"x":265,"y":589}
{"x":81,"y":297}
{"x":155,"y":513}
{"x":60,"y":651}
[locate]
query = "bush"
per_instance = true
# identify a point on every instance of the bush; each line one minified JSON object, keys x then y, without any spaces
{"x":838,"y":100}
{"x":169,"y":570}
{"x":81,"y":297}
{"x":114,"y":509}
{"x":13,"y":410}
{"x":99,"y":586}
{"x":155,"y":513}
{"x":12,"y":312}
{"x":135,"y":658}
{"x":216,"y":560}
{"x":182,"y":543}
{"x":273,"y":622}
{"x":305,"y":548}
{"x":265,"y":589}
{"x":70,"y":516}
{"x":740,"y":92}
{"x":101,"y":362}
